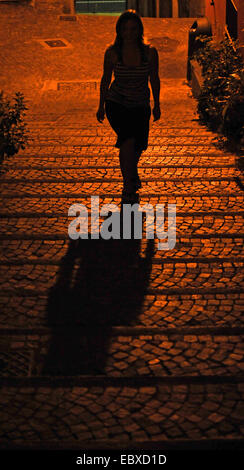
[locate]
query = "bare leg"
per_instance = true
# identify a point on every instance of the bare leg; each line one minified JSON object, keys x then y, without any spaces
{"x":136,"y":178}
{"x":138,"y":154}
{"x":128,"y":163}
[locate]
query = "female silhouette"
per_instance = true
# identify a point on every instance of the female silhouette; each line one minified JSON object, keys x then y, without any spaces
{"x":127,"y":100}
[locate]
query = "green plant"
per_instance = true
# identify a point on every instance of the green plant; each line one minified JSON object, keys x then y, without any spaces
{"x":13,"y":133}
{"x":233,"y":112}
{"x":221,"y":101}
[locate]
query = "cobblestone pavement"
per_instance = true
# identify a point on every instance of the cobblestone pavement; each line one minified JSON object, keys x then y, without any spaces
{"x":123,"y":414}
{"x":114,"y":342}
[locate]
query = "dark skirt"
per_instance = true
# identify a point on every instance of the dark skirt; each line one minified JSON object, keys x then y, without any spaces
{"x":129,"y":122}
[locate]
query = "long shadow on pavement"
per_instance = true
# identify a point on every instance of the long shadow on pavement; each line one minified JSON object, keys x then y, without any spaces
{"x":101,"y":284}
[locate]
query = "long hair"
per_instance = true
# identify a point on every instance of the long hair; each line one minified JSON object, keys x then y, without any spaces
{"x":124,"y":17}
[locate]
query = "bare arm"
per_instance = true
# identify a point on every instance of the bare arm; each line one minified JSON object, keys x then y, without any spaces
{"x":154,"y":80}
{"x":107,"y":75}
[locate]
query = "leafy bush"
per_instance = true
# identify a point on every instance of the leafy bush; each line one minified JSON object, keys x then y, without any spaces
{"x":13,"y":133}
{"x":221,"y":101}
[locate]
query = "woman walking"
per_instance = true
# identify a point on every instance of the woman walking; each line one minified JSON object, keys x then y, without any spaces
{"x":126,"y":101}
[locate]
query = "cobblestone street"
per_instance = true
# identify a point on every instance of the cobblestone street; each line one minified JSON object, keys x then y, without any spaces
{"x":114,"y":342}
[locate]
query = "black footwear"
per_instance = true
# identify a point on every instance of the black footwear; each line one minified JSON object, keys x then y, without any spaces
{"x":129,"y":197}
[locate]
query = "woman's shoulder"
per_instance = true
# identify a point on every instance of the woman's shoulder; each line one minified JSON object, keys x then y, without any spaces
{"x":151,"y":51}
{"x":111,"y":54}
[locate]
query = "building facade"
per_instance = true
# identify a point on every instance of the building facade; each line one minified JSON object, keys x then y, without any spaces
{"x":151,"y":8}
{"x":57,"y":6}
{"x":168,"y":8}
{"x":226,"y":18}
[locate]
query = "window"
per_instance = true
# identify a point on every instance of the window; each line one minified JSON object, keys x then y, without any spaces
{"x":101,"y":6}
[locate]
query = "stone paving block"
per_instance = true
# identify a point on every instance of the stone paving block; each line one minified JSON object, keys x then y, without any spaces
{"x":137,"y":425}
{"x":57,"y":227}
{"x":31,"y":310}
{"x":81,"y":151}
{"x":107,"y":188}
{"x":54,"y":251}
{"x":70,"y":127}
{"x":81,"y":352}
{"x":36,"y":206}
{"x":87,"y":282}
{"x":114,"y":174}
{"x":109,"y":140}
{"x":88,"y":158}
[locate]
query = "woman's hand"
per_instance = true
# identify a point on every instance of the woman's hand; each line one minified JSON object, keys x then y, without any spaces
{"x":156,"y":112}
{"x":100,"y":114}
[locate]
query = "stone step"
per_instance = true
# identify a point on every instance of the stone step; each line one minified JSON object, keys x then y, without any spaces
{"x":80,"y":351}
{"x":184,"y":124}
{"x":50,"y":128}
{"x":109,"y":140}
{"x":33,"y":164}
{"x":173,"y":121}
{"x":42,"y":206}
{"x":156,"y":260}
{"x":156,"y":415}
{"x":172,"y":449}
{"x":23,"y":309}
{"x":200,"y":400}
{"x":43,"y":132}
{"x":73,"y":150}
{"x":92,"y":127}
{"x":112,"y":174}
{"x":21,"y":336}
{"x":98,"y":159}
{"x":85,"y":279}
{"x":147,"y":182}
{"x":27,"y":228}
{"x":183,"y":186}
{"x":187,"y":250}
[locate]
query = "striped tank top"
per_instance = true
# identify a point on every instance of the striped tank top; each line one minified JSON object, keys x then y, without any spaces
{"x":130,"y":85}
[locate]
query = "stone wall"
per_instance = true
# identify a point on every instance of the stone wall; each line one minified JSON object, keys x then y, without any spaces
{"x":57,"y":6}
{"x":216,"y":13}
{"x":241,"y":25}
{"x":196,"y":8}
